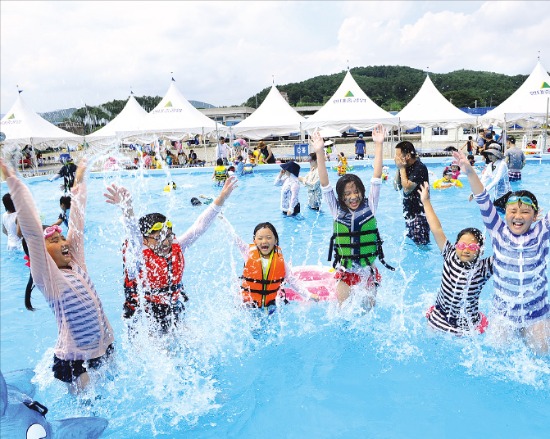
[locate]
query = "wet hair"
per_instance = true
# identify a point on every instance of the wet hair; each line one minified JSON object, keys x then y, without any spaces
{"x":219,"y":162}
{"x":66,"y":201}
{"x":406,"y":147}
{"x":195,"y":201}
{"x":341,"y":185}
{"x":312,"y":156}
{"x":147,"y":221}
{"x":30,"y":282}
{"x":8,"y":202}
{"x":267,"y":226}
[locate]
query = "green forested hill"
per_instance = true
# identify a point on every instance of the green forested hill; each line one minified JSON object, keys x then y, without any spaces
{"x":392,"y":87}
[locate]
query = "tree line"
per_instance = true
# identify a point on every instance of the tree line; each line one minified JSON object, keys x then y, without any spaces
{"x":390,"y":87}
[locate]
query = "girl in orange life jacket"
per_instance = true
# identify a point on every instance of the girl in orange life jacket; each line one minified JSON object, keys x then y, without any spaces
{"x":356,"y":240}
{"x":265,"y":269}
{"x":153,"y":256}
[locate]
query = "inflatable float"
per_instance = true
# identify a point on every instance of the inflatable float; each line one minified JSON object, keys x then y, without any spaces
{"x":318,"y":280}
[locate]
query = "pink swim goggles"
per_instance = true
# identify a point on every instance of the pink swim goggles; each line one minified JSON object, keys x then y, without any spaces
{"x":49,"y":231}
{"x":473,"y":247}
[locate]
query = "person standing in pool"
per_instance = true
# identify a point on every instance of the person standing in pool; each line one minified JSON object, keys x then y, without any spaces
{"x":456,"y":308}
{"x":521,"y":245}
{"x":312,"y":183}
{"x":265,"y":269}
{"x":9,"y":224}
{"x":411,"y":173}
{"x":290,"y":188}
{"x":356,"y":242}
{"x":153,"y":258}
{"x":85,"y":337}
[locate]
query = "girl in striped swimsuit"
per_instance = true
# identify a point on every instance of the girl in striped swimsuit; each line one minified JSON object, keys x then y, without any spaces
{"x":85,"y":337}
{"x":456,"y":309}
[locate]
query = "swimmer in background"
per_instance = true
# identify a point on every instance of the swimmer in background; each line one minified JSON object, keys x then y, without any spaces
{"x":342,"y":167}
{"x":447,"y":181}
{"x":385,"y":173}
{"x":356,"y":241}
{"x":10,"y":227}
{"x":171,"y":186}
{"x":312,"y":183}
{"x":65,"y":206}
{"x":464,"y":274}
{"x":290,"y":190}
{"x":220,"y":174}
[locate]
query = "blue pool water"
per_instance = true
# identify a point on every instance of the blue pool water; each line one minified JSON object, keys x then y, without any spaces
{"x":310,"y":370}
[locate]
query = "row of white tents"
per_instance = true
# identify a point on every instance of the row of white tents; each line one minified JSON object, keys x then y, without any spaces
{"x":174,"y":118}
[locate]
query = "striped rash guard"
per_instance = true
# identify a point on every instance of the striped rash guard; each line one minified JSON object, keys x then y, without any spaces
{"x":520,"y":278}
{"x":457,"y":305}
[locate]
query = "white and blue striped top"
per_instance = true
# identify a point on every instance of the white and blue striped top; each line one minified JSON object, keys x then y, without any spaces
{"x":520,"y":267}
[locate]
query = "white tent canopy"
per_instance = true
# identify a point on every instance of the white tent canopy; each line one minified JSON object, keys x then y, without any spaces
{"x":273,"y":117}
{"x":22,"y":126}
{"x":131,"y":118}
{"x":429,"y":108}
{"x":174,"y":118}
{"x":349,"y":107}
{"x":528,"y":105}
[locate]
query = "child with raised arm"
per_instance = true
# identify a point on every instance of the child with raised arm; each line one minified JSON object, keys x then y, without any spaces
{"x":456,"y":308}
{"x":520,"y":245}
{"x":85,"y":337}
{"x":356,"y":242}
{"x":153,"y":257}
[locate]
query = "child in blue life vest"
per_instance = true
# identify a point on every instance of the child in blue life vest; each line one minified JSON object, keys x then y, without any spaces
{"x":456,"y":309}
{"x":356,"y":241}
{"x":153,"y":257}
{"x":521,"y":244}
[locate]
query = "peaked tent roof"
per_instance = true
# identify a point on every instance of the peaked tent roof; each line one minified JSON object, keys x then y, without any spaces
{"x":22,"y":126}
{"x":349,"y":107}
{"x":273,"y":117}
{"x":174,"y":118}
{"x":527,"y":106}
{"x":430,"y":108}
{"x":129,"y":119}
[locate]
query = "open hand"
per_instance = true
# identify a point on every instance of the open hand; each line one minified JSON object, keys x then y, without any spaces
{"x":378,"y":133}
{"x":118,"y":195}
{"x":318,"y":143}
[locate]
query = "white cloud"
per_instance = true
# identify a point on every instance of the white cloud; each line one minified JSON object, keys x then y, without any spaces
{"x":66,"y":53}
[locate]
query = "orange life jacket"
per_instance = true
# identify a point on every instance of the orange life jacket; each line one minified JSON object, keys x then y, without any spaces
{"x":258,"y":289}
{"x":160,"y":281}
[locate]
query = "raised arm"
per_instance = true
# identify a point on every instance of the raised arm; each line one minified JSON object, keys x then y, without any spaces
{"x":319,"y":148}
{"x":433,"y":220}
{"x":475,"y":183}
{"x":378,"y":138}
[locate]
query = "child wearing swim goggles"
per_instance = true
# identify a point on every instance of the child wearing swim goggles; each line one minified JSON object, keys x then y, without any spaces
{"x":153,"y":258}
{"x":85,"y":337}
{"x":464,"y":274}
{"x":520,"y":245}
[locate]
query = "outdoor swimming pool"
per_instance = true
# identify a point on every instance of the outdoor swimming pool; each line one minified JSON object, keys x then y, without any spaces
{"x":308,"y":371}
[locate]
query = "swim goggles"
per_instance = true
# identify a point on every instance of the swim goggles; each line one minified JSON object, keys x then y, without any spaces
{"x":524,"y":200}
{"x":159,"y":226}
{"x":49,"y":231}
{"x":473,"y":247}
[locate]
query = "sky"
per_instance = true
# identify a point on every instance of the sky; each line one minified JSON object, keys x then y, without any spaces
{"x":70,"y":53}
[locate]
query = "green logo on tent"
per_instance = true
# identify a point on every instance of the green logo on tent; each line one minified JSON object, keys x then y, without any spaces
{"x":11,"y":116}
{"x":168,"y":104}
{"x":545,"y":85}
{"x":349,"y":94}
